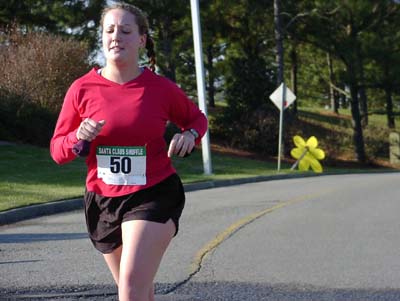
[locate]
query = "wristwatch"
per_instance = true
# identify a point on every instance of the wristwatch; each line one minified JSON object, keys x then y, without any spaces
{"x":194,"y":133}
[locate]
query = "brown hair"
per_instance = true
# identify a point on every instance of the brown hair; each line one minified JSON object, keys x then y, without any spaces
{"x":143,"y":24}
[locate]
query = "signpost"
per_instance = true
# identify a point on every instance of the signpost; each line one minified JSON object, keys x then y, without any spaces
{"x":282,"y":97}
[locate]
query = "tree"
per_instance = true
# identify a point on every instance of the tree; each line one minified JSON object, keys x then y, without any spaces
{"x":171,"y":26}
{"x":312,"y":73}
{"x":383,"y":48}
{"x":294,"y":73}
{"x":338,"y":28}
{"x":249,"y":120}
{"x":215,"y":31}
{"x":167,"y":21}
{"x":332,"y":82}
{"x":79,"y":19}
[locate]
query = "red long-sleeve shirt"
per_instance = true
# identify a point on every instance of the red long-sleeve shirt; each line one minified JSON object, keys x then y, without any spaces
{"x":136,"y":114}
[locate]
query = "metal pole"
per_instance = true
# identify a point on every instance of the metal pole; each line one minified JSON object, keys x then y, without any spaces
{"x":279,"y":60}
{"x":281,"y":125}
{"x":198,"y":54}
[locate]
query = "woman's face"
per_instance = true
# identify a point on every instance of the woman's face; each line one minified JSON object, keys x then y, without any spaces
{"x":121,"y":38}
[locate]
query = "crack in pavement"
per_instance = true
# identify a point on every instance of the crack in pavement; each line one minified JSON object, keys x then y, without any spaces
{"x":223,"y":236}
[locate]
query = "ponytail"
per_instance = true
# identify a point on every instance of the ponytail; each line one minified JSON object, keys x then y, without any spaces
{"x":151,"y":54}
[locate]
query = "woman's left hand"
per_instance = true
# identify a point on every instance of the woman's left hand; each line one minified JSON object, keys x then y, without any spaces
{"x":181,"y":144}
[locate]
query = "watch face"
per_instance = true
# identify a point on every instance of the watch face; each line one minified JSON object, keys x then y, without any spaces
{"x":194,"y":132}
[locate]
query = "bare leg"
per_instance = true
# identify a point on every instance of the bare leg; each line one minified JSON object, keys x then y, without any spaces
{"x":151,"y":293}
{"x":113,"y":261}
{"x":144,"y":244}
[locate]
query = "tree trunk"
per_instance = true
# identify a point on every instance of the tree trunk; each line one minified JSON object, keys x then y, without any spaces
{"x":168,"y":67}
{"x":332,"y":93}
{"x":389,"y":101}
{"x":358,"y":138}
{"x":361,"y":90}
{"x":279,"y":42}
{"x":363,"y":104}
{"x":293,"y":73}
{"x":389,"y":108}
{"x":211,"y":79}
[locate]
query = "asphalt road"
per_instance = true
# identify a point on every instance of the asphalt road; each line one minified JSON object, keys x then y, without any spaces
{"x":320,"y":238}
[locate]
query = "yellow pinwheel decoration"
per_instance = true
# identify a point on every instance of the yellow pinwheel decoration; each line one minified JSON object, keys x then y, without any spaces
{"x":307,"y":154}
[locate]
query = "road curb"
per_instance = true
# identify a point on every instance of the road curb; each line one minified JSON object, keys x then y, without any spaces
{"x":28,"y":212}
{"x":33,"y":211}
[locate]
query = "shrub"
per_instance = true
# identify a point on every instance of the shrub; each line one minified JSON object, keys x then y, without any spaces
{"x":8,"y":109}
{"x":255,"y":130}
{"x":42,"y":66}
{"x":24,"y":121}
{"x":376,"y":142}
{"x":37,"y":70}
{"x":249,"y":121}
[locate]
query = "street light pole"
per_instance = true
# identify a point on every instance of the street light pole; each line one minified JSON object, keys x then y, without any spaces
{"x":201,"y":91}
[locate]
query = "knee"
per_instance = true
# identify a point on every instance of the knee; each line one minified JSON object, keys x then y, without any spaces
{"x":131,"y":290}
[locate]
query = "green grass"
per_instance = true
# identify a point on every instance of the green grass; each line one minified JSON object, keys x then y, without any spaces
{"x":224,"y":167}
{"x":375,"y":117}
{"x":29,"y":176}
{"x":335,"y":133}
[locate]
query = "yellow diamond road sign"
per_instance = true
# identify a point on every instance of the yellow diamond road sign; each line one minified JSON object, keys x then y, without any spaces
{"x":277,"y":97}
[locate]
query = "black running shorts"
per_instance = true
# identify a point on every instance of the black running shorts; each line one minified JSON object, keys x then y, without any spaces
{"x":104,"y":215}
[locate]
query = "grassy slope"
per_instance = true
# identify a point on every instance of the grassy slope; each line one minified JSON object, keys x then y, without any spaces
{"x":335,"y":135}
{"x":28,"y":175}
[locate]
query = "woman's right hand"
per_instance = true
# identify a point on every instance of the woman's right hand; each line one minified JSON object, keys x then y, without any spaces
{"x":89,"y":129}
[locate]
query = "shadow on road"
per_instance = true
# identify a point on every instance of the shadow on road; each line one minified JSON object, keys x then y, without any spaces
{"x":212,"y":291}
{"x":35,"y":237}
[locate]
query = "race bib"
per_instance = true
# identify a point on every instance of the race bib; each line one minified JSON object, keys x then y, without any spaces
{"x":121,"y":165}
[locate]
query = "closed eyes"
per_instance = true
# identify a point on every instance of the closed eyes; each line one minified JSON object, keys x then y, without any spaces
{"x":124,"y":30}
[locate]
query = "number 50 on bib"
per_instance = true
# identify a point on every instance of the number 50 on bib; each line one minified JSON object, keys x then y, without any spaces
{"x":121,"y":165}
